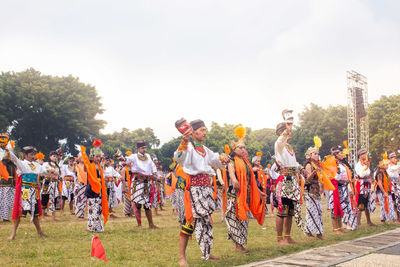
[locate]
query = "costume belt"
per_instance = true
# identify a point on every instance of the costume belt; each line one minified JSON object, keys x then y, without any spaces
{"x":69,"y":178}
{"x":141,"y":177}
{"x":392,"y":179}
{"x":29,"y":180}
{"x":200,"y":180}
{"x":109,"y":179}
{"x":9,"y":182}
{"x":292,"y":171}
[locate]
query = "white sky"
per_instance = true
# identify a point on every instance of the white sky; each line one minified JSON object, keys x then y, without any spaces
{"x":154,"y":62}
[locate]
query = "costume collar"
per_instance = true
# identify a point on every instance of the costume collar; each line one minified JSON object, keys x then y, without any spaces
{"x":196,"y":144}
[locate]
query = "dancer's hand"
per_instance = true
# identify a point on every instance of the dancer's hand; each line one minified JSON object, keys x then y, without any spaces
{"x":236,"y":185}
{"x":186,"y":136}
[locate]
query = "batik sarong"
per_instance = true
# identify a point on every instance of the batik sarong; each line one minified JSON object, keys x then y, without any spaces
{"x":237,"y":229}
{"x":313,"y":220}
{"x":94,"y":215}
{"x":6,"y":201}
{"x":80,"y":200}
{"x":386,"y":216}
{"x":128,"y":210}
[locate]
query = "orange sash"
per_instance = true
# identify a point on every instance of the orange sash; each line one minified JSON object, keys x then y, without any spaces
{"x":224,"y":196}
{"x":3,"y":171}
{"x":81,"y":173}
{"x":241,"y":199}
{"x":188,"y":203}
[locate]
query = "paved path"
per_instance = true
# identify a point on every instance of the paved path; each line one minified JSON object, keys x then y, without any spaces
{"x":336,"y":255}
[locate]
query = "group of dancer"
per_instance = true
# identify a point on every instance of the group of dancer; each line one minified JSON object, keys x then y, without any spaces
{"x":200,"y":182}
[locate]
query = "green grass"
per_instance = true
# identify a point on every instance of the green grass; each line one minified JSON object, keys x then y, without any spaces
{"x":69,"y":243}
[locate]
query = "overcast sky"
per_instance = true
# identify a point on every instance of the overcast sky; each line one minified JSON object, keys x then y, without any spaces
{"x":154,"y":62}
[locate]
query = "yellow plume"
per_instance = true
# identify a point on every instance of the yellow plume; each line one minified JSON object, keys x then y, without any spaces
{"x":240,"y":132}
{"x":259,"y":154}
{"x":384,"y":156}
{"x":227,"y":150}
{"x":317,"y":141}
{"x":345,"y":144}
{"x":128,"y":153}
{"x":173,"y":159}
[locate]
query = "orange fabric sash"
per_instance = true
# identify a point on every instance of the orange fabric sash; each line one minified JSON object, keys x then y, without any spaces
{"x":215,"y":187}
{"x":263,"y":180}
{"x":224,"y":196}
{"x":241,"y":199}
{"x":3,"y":171}
{"x":386,"y":188}
{"x":325,"y":175}
{"x":94,"y":182}
{"x":81,"y":173}
{"x":256,"y":207}
{"x":188,"y":203}
{"x":128,"y":179}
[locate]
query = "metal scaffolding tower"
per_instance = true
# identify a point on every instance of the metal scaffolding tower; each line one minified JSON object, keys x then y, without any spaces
{"x":357,"y":113}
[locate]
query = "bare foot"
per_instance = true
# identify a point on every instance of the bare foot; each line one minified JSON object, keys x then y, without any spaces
{"x":46,"y":215}
{"x":62,"y":213}
{"x":42,"y":234}
{"x":182,"y":262}
{"x":370,"y":224}
{"x":282,"y":242}
{"x":11,"y":237}
{"x":72,"y":213}
{"x":291,"y":241}
{"x":139,"y":226}
{"x":241,"y":249}
{"x":320,"y":237}
{"x":55,"y":219}
{"x":213,"y":257}
{"x":338,"y":232}
{"x":113,"y":216}
{"x":153,"y":226}
{"x":310,"y":236}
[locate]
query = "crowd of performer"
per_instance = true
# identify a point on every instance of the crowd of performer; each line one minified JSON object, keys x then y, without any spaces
{"x":198,"y":183}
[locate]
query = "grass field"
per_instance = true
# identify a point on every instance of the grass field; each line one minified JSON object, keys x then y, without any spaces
{"x":69,"y":243}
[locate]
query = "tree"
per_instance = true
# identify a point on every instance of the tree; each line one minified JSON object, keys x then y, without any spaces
{"x":384,"y":126}
{"x":41,"y":110}
{"x":126,"y":140}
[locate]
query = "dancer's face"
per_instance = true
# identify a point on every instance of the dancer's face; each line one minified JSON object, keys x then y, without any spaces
{"x":240,"y":150}
{"x":200,"y":134}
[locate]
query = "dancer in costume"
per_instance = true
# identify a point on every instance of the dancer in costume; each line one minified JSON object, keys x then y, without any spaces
{"x":243,"y":194}
{"x":394,"y":175}
{"x":312,"y":195}
{"x":154,"y":188}
{"x":180,"y":186}
{"x":68,"y":175}
{"x":50,"y":190}
{"x":80,"y":188}
{"x":27,"y":196}
{"x":111,"y":176}
{"x":365,"y":195}
{"x":8,"y":174}
{"x":144,"y":171}
{"x":126,"y":176}
{"x":383,"y":192}
{"x":339,"y":201}
{"x":261,"y":178}
{"x":95,"y":191}
{"x":287,"y":193}
{"x":197,"y":162}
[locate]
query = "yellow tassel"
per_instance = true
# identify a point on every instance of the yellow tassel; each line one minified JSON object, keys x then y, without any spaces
{"x":345,"y":144}
{"x":240,"y":132}
{"x":259,"y":154}
{"x":317,"y":141}
{"x":227,"y":150}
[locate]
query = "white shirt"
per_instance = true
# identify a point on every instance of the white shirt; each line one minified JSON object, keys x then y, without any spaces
{"x":393,"y":170}
{"x":342,"y":175}
{"x":65,"y":171}
{"x":361,"y":170}
{"x":51,"y":166}
{"x":284,"y":157}
{"x":274,"y":173}
{"x":24,"y":166}
{"x":111,"y":172}
{"x":145,"y":167}
{"x":193,"y":163}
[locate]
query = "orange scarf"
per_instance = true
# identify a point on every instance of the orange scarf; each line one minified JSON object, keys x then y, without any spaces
{"x":263,"y":180}
{"x":3,"y":171}
{"x":81,"y":173}
{"x":128,"y":179}
{"x":94,"y":182}
{"x":224,"y":196}
{"x":188,"y":203}
{"x":386,"y":188}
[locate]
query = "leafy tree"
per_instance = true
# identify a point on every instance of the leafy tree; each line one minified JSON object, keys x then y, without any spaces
{"x":384,"y":126}
{"x":42,"y":110}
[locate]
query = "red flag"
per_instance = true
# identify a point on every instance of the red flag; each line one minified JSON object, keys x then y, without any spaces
{"x":98,"y":249}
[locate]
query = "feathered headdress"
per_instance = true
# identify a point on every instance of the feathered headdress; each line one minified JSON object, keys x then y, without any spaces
{"x":39,"y":155}
{"x":227,"y":150}
{"x":240,"y":132}
{"x":96,"y":147}
{"x":315,"y":148}
{"x":346,"y":150}
{"x":128,"y":153}
{"x":384,"y":160}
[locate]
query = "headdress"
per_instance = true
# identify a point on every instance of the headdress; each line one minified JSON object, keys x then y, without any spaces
{"x":280,"y":128}
{"x":392,"y":155}
{"x":384,"y":160}
{"x":29,"y":149}
{"x":196,"y":124}
{"x":256,"y":157}
{"x":362,"y":151}
{"x":96,"y":150}
{"x":128,"y":153}
{"x":315,"y":148}
{"x":346,"y":151}
{"x":336,"y":149}
{"x":39,"y":155}
{"x":140,"y":143}
{"x":240,"y":132}
{"x":53,"y":153}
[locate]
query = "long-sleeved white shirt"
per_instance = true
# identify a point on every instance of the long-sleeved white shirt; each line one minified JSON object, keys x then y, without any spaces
{"x":146,"y":167}
{"x":362,"y":171}
{"x":193,"y":163}
{"x":25,"y":166}
{"x":111,"y":172}
{"x":285,"y":156}
{"x":393,"y":170}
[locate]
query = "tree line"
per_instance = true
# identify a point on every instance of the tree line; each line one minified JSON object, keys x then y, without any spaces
{"x":52,"y":112}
